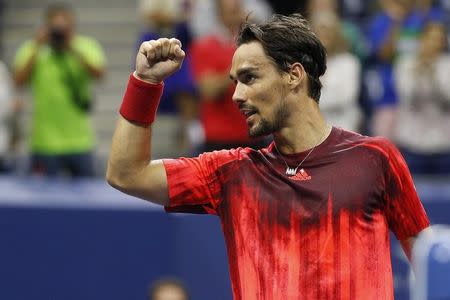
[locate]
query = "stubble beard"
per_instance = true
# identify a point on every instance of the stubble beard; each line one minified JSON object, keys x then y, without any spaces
{"x":265,"y":127}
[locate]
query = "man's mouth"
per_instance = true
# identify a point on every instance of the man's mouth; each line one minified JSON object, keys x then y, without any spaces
{"x":247,"y":112}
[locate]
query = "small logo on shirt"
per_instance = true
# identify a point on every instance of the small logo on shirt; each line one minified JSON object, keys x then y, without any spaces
{"x":301,"y":176}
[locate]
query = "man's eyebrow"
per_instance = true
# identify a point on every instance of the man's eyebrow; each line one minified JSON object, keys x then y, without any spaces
{"x":243,"y":71}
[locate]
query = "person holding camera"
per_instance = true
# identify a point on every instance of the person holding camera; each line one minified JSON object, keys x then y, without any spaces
{"x":60,"y":66}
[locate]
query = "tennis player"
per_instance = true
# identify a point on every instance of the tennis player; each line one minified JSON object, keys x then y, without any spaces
{"x":306,"y":218}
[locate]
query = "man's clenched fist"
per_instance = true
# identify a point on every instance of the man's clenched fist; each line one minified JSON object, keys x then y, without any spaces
{"x":158,"y":59}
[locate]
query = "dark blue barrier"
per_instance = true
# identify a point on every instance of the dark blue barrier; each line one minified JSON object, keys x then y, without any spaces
{"x":63,"y":254}
{"x":83,"y":240}
{"x":61,"y":240}
{"x":439,"y":213}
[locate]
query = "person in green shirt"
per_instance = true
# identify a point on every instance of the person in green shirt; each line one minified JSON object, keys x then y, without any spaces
{"x":60,"y":65}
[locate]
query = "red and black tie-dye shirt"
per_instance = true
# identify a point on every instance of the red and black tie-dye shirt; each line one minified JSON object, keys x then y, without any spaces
{"x":322,"y":234}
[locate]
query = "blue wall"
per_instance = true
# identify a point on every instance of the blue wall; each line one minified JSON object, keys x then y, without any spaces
{"x":86,"y":241}
{"x":88,"y":254}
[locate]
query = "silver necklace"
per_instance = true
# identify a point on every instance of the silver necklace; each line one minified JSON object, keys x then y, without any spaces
{"x":292,"y":171}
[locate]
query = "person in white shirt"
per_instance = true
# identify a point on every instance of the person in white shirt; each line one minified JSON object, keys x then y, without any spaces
{"x":6,"y":111}
{"x":341,"y":82}
{"x":204,"y":19}
{"x":422,"y":121}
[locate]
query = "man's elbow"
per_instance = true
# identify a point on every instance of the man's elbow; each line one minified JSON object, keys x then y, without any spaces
{"x":99,"y":73}
{"x":112,"y":181}
{"x":126,"y":182}
{"x":116,"y":180}
{"x":19,"y":80}
{"x":132,"y":186}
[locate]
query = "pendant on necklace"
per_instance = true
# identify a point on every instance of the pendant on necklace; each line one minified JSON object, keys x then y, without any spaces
{"x":291,"y":171}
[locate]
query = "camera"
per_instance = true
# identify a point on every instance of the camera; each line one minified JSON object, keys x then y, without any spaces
{"x":57,"y":38}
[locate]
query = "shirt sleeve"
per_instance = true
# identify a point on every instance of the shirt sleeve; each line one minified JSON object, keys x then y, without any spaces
{"x":195,"y":184}
{"x":23,"y":54}
{"x":404,"y":212}
{"x":91,"y":50}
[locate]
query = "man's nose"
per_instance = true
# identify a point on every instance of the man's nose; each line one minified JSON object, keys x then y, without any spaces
{"x":238,"y":95}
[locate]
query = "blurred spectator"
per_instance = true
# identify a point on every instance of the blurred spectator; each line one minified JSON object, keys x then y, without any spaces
{"x":356,"y":44}
{"x":394,"y":32}
{"x":445,"y":4}
{"x":422,"y":127}
{"x":423,"y":12}
{"x":168,"y":289}
{"x":165,"y":18}
{"x":355,"y":38}
{"x":204,"y":19}
{"x":355,"y":10}
{"x":224,"y":125}
{"x":59,"y":64}
{"x":390,"y":30}
{"x":6,"y":113}
{"x":341,"y":82}
{"x":176,"y":127}
{"x":385,"y":32}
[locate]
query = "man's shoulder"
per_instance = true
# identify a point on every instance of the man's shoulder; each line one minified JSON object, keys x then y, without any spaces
{"x":231,"y":159}
{"x":26,"y":46}
{"x":81,"y":40}
{"x":378,"y":145}
{"x":91,"y":49}
{"x":228,"y":155}
{"x":26,"y":49}
{"x":373,"y":144}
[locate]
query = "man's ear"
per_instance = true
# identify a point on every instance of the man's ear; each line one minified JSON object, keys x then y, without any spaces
{"x":297,"y":76}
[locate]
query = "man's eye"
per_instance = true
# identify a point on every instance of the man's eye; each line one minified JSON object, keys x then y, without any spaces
{"x":248,"y":78}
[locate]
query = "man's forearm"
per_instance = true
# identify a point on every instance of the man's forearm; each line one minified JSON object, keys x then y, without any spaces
{"x":130,"y":168}
{"x":22,"y":74}
{"x":131,"y":146}
{"x":130,"y":151}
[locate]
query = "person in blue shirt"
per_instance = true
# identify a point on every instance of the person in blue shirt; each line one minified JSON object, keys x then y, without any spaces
{"x":394,"y":31}
{"x":177,"y":124}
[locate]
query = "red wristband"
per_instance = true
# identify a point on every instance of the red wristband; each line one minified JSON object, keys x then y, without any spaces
{"x":141,"y":100}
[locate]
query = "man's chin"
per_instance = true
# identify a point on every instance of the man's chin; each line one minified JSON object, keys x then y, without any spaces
{"x":258,"y":132}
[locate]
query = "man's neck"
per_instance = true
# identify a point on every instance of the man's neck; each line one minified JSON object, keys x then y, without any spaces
{"x":306,"y":130}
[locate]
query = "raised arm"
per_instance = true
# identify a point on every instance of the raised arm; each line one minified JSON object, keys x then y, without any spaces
{"x":95,"y":71}
{"x":407,"y":246}
{"x":22,"y":73}
{"x":130,"y":168}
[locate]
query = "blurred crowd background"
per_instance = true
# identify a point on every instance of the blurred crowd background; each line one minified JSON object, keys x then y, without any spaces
{"x":63,"y":71}
{"x":65,"y":65}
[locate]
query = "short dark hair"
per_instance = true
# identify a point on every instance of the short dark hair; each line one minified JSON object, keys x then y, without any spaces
{"x":287,"y":40}
{"x":56,"y":8}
